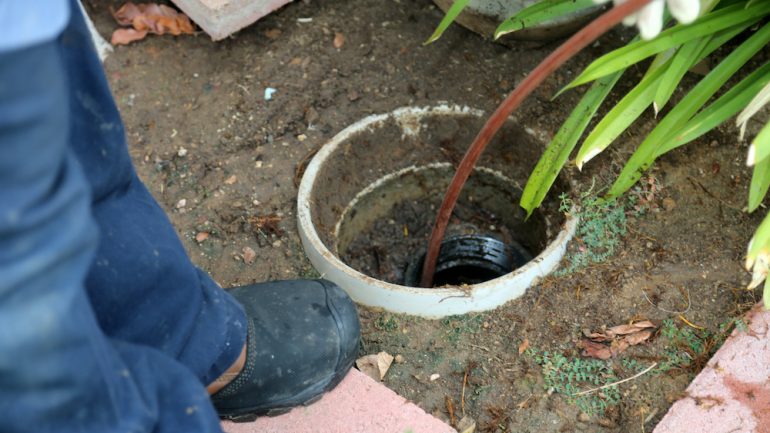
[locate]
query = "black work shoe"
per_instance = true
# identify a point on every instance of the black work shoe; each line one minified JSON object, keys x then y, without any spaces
{"x":302,"y":340}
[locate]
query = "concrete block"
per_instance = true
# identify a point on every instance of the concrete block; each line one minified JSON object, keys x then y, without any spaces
{"x":221,"y":18}
{"x":357,"y":405}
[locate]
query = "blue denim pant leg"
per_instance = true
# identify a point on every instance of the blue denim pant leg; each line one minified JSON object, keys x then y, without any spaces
{"x":143,"y":286}
{"x":59,"y":372}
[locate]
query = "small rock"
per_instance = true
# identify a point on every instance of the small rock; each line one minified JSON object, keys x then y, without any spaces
{"x":339,"y":40}
{"x":466,"y":425}
{"x":434,"y":377}
{"x":273,"y":34}
{"x":400,"y":359}
{"x":231,"y":180}
{"x":669,"y":203}
{"x":277,"y":244}
{"x":353,"y":95}
{"x":248,"y":255}
{"x":302,"y":137}
{"x":202,"y":236}
{"x":584,"y":417}
{"x":181,"y":152}
{"x":258,"y":164}
{"x":181,"y":203}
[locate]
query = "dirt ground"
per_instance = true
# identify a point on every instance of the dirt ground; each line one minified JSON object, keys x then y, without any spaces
{"x":224,"y":162}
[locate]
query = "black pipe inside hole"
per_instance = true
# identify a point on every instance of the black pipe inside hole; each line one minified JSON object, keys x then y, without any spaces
{"x":470,"y":259}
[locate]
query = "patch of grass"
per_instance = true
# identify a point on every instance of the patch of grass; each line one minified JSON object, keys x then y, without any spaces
{"x":602,"y":225}
{"x":569,"y":376}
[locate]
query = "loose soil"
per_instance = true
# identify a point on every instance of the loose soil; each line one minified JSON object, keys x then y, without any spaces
{"x":200,"y":130}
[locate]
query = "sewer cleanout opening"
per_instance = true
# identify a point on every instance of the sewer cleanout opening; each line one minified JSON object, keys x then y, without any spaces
{"x":383,"y":233}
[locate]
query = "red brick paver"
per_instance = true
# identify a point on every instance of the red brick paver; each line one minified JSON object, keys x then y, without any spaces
{"x":732,"y":394}
{"x":357,"y":405}
{"x":221,"y":18}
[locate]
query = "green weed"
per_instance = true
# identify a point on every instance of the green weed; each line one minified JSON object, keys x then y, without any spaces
{"x":386,"y":322}
{"x":602,"y":225}
{"x":462,"y":324}
{"x":570,"y":376}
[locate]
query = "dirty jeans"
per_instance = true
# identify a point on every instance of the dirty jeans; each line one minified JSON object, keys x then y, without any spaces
{"x":105,"y":324}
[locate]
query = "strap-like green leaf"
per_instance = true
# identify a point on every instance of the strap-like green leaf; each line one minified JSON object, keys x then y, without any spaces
{"x":761,"y":145}
{"x":540,"y":12}
{"x":684,"y":59}
{"x":756,"y":104}
{"x":448,"y":19}
{"x":760,"y":179}
{"x":761,"y":239}
{"x":720,"y":110}
{"x":625,"y":112}
{"x":639,"y":98}
{"x":671,"y":124}
{"x":679,"y":34}
{"x":558,"y":150}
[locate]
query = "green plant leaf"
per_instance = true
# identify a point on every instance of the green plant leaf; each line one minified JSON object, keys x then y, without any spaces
{"x":761,"y":145}
{"x":541,"y":12}
{"x":633,"y":53}
{"x":670,"y":125}
{"x":558,"y":150}
{"x":766,"y":294}
{"x":756,"y":104}
{"x":720,"y":110}
{"x":761,"y":239}
{"x":619,"y":117}
{"x":684,"y":59}
{"x":760,"y":181}
{"x":448,"y":19}
{"x":639,"y":98}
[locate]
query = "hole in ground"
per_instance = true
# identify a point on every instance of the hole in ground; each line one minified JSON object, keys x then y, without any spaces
{"x":470,"y":259}
{"x":385,"y":229}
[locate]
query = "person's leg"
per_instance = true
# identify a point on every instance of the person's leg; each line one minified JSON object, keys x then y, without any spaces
{"x":58,"y":371}
{"x":142,"y":285}
{"x":302,"y":335}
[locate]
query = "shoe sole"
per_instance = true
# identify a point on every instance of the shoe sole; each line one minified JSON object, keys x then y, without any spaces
{"x":250,"y":415}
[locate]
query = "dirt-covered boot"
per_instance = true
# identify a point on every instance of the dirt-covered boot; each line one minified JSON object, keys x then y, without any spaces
{"x":302,"y":339}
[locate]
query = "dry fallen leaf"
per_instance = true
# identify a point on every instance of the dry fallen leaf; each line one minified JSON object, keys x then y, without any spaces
{"x":620,"y":337}
{"x":231,"y":180}
{"x":339,"y":40}
{"x":146,"y":18}
{"x":594,"y":350}
{"x":375,"y":366}
{"x":523,"y":346}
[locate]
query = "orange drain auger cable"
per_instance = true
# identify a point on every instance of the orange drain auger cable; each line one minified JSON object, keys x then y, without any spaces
{"x":572,"y":46}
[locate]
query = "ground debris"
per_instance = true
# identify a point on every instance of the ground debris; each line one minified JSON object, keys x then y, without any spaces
{"x":144,"y":18}
{"x":266,"y":224}
{"x":375,"y":365}
{"x":619,"y":337}
{"x":248,"y":254}
{"x":466,"y":425}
